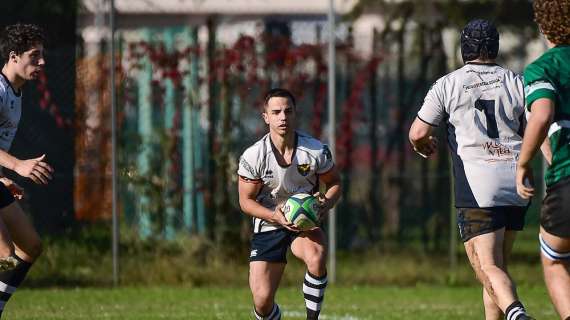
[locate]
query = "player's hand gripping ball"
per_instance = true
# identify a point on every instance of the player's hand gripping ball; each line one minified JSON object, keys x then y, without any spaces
{"x":301,"y":209}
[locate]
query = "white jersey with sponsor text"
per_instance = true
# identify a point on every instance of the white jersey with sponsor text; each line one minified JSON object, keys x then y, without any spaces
{"x":10,"y":112}
{"x":258,"y":163}
{"x":482,"y":106}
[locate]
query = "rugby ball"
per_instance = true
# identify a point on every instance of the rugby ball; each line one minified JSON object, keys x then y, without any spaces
{"x":301,"y":209}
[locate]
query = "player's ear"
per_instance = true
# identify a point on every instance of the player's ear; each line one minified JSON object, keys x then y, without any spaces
{"x":265,"y":116}
{"x":12,"y":56}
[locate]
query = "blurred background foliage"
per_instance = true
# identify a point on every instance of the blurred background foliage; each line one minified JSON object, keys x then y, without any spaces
{"x":189,"y":98}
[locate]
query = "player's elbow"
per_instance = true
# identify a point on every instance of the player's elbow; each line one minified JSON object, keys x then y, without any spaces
{"x":416,"y":134}
{"x":244,"y":204}
{"x":418,"y":131}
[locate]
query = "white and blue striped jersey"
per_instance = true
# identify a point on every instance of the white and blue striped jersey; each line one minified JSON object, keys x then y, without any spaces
{"x":10,"y":112}
{"x":310,"y":159}
{"x":482,"y":106}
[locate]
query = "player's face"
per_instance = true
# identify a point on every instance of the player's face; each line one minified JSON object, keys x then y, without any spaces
{"x":279,"y":114}
{"x":30,"y":63}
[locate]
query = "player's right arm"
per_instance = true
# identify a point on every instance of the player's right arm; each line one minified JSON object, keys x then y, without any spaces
{"x":534,"y":136}
{"x":35,"y":169}
{"x":421,"y":138}
{"x":248,"y":191}
{"x":429,"y":116}
{"x":545,"y":146}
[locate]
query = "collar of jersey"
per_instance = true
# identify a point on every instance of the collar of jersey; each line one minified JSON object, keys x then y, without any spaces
{"x":17,"y":94}
{"x":275,"y":151}
{"x":482,"y":63}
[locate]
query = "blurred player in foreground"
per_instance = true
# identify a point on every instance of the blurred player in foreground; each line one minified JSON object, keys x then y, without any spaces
{"x":21,"y":47}
{"x":482,"y":105}
{"x":547,"y":89}
{"x":285,"y":162}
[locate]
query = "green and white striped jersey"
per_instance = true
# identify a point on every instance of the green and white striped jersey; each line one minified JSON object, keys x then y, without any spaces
{"x":549,"y":77}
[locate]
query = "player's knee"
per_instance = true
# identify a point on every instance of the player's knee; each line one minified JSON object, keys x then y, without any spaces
{"x":35,"y":250}
{"x":6,"y":251}
{"x":488,"y":269}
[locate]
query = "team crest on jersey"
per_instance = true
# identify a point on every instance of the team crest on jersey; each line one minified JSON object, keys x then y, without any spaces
{"x":303,"y":169}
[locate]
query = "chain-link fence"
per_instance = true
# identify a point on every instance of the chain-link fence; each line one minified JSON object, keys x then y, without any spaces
{"x":189,"y":89}
{"x":189,"y":104}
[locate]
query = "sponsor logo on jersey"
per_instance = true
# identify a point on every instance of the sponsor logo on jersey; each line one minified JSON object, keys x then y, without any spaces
{"x":268,"y":174}
{"x":303,"y":169}
{"x":481,"y":84}
{"x":246,"y":166}
{"x":498,"y":150}
{"x":481,"y":72}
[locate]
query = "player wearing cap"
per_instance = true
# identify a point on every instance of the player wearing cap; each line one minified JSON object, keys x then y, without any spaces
{"x":482,"y":106}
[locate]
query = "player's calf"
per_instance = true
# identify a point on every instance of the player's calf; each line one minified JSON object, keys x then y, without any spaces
{"x":263,"y":303}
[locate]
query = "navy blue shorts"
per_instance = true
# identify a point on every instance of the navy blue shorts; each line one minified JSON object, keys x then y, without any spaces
{"x":271,"y":246}
{"x":6,"y":197}
{"x":477,"y":221}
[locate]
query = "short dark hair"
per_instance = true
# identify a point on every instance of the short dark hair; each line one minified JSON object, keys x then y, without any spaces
{"x":553,"y":18}
{"x":19,"y":38}
{"x":479,"y":40}
{"x":279,"y":92}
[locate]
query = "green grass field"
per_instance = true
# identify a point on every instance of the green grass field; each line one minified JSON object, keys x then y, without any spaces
{"x":347,"y":303}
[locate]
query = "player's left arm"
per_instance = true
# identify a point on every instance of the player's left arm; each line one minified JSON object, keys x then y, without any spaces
{"x":333,"y":190}
{"x":546,"y":150}
{"x":535,"y":134}
{"x":421,"y":138}
{"x":35,"y":169}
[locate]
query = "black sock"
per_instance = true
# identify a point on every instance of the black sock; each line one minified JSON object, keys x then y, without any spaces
{"x":10,"y":280}
{"x":314,"y":292}
{"x":515,"y":311}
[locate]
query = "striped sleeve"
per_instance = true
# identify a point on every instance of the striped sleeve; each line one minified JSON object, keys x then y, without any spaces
{"x":537,"y":90}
